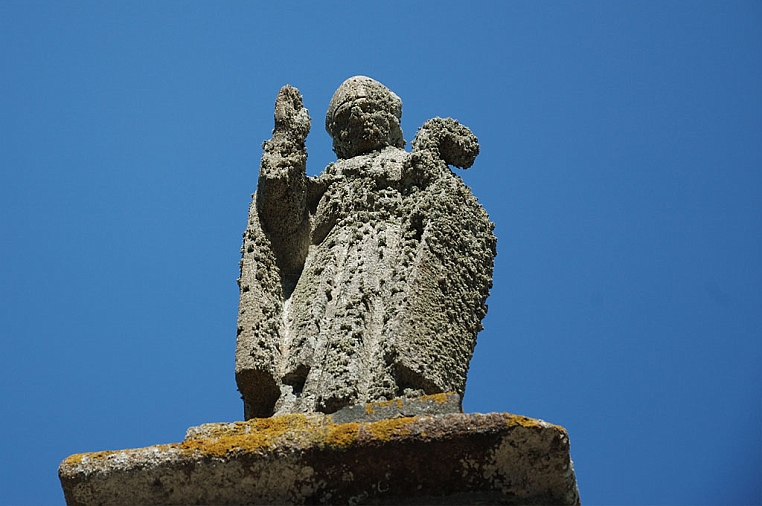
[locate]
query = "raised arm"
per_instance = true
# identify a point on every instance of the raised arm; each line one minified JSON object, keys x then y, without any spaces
{"x":281,"y":190}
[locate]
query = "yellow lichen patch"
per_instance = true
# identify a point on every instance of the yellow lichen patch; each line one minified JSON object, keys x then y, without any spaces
{"x":250,"y":436}
{"x":370,"y":408}
{"x":73,"y":460}
{"x":77,"y":458}
{"x":273,"y":426}
{"x":343,"y":435}
{"x":385,"y":429}
{"x":277,"y":425}
{"x":211,"y":447}
{"x":440,"y":398}
{"x":524,"y":421}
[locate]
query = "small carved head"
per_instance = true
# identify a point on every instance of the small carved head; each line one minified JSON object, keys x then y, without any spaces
{"x":363,"y":116}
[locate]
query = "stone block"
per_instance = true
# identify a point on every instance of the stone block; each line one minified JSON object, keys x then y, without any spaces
{"x":453,"y":458}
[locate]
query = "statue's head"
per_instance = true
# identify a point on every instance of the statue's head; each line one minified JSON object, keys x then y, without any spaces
{"x":363,"y":116}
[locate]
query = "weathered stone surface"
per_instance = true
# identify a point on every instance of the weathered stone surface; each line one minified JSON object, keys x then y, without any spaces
{"x":363,"y":116}
{"x":307,"y":459}
{"x":369,"y":281}
{"x":400,"y":407}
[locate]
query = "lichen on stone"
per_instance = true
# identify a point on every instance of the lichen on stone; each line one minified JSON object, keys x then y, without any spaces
{"x":493,"y":458}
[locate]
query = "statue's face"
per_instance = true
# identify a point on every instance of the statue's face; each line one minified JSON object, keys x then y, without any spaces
{"x":363,"y":116}
{"x":363,"y":126}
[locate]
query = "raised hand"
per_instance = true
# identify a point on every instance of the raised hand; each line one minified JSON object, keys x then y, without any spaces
{"x":291,"y":118}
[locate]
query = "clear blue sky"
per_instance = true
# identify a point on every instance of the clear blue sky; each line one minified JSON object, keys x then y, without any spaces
{"x":621,"y":155}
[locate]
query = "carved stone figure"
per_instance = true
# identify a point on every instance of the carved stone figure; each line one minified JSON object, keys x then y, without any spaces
{"x":369,"y":281}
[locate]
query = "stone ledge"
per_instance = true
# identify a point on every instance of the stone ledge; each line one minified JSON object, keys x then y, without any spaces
{"x":455,"y":458}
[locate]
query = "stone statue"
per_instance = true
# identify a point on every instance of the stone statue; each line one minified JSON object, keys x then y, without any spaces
{"x":369,"y":281}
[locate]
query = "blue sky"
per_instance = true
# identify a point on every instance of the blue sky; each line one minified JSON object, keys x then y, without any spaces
{"x":621,"y":147}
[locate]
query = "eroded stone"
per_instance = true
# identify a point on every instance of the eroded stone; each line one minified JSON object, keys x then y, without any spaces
{"x":367,"y":282}
{"x":307,"y":459}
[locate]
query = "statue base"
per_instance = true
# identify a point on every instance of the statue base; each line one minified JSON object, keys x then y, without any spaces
{"x":451,"y":458}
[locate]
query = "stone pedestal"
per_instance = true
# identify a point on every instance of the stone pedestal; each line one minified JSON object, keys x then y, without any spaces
{"x":453,"y":458}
